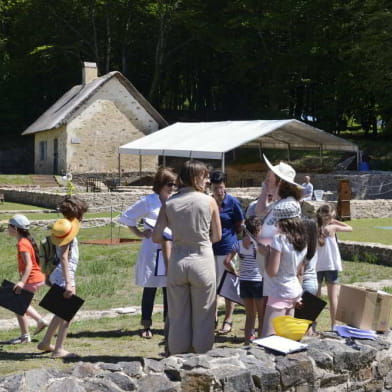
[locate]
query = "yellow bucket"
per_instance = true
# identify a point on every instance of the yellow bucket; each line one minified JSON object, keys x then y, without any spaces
{"x":290,"y":327}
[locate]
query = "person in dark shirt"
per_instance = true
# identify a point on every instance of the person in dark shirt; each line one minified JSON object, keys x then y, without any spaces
{"x":232,"y":219}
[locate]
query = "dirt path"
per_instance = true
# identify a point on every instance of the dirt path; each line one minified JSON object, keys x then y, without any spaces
{"x":84,"y":315}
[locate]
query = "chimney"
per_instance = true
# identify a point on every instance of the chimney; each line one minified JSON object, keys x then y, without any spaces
{"x":90,"y":72}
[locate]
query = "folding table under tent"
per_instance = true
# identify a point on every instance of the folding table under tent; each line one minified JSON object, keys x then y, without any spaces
{"x":211,"y":140}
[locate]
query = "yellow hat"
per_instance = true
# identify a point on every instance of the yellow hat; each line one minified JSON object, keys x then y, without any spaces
{"x":64,"y":231}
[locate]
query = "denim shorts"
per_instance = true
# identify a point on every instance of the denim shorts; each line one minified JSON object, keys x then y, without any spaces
{"x":330,"y":276}
{"x":251,"y":289}
{"x":310,"y":285}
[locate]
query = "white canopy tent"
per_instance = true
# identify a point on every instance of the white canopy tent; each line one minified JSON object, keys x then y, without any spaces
{"x":211,"y":140}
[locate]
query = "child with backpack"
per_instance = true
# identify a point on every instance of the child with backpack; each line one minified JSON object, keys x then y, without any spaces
{"x":329,"y":262}
{"x":31,"y":278}
{"x":283,"y":260}
{"x":251,"y":279}
{"x":64,"y":233}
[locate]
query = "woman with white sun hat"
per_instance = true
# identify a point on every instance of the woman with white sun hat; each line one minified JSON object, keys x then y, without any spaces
{"x":278,"y":187}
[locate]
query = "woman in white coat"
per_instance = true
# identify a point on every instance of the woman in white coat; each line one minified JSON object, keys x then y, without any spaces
{"x":146,"y":274}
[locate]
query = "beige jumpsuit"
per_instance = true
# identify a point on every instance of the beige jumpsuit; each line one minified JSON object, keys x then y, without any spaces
{"x":191,"y":287}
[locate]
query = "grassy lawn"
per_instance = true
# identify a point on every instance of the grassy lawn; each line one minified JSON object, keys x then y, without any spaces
{"x":6,"y":206}
{"x":17,"y":179}
{"x":369,"y":230}
{"x":106,"y":280}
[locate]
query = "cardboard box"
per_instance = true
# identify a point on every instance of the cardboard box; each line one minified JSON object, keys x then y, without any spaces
{"x":364,"y":308}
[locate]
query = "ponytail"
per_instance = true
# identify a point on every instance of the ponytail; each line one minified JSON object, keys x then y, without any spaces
{"x":26,"y":234}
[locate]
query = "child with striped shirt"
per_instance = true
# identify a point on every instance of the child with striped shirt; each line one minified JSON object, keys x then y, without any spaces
{"x":250,"y":275}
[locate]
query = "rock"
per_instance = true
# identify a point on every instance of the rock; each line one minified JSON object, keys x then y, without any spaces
{"x":122,"y":381}
{"x":69,"y":384}
{"x":157,"y":383}
{"x":153,"y":366}
{"x":100,"y":385}
{"x":264,"y":374}
{"x":295,"y":369}
{"x":196,"y":361}
{"x":111,"y":367}
{"x":200,"y":380}
{"x":35,"y":379}
{"x":234,"y":379}
{"x":131,"y":369}
{"x":12,"y":383}
{"x":172,"y":368}
{"x":333,"y":380}
{"x":83,"y":370}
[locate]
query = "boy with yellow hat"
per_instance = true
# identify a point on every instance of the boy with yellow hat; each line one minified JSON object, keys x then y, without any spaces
{"x":64,"y":232}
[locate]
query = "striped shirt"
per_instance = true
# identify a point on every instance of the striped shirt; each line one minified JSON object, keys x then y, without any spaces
{"x":249,"y":267}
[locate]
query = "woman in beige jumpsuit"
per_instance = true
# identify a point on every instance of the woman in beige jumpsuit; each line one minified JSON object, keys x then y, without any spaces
{"x":194,"y":220}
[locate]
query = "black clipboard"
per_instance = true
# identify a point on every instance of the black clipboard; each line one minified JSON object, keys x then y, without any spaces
{"x":17,"y":303}
{"x":55,"y":302}
{"x":312,"y":307}
{"x":229,"y":287}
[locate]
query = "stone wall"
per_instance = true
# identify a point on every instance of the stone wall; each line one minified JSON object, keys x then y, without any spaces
{"x":330,"y":364}
{"x":364,"y":185}
{"x":103,"y":201}
{"x":360,"y":209}
{"x":366,"y":252}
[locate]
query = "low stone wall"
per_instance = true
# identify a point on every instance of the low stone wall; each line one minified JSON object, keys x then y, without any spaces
{"x":328,"y":365}
{"x":119,"y":201}
{"x":366,"y":252}
{"x":47,"y":223}
{"x":360,"y":209}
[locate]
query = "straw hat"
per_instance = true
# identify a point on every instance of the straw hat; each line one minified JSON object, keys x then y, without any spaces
{"x":283,"y":171}
{"x":286,"y":210}
{"x":64,"y":231}
{"x":20,"y":221}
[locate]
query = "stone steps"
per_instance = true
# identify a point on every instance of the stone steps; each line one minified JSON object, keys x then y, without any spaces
{"x":44,"y":180}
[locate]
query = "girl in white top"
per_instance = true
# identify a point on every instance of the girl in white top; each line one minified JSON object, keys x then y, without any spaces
{"x":283,"y":260}
{"x":329,"y":262}
{"x":251,"y":279}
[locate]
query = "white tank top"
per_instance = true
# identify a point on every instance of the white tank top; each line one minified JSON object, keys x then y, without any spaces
{"x":328,"y":256}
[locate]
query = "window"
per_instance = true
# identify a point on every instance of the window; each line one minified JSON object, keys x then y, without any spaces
{"x":43,"y":150}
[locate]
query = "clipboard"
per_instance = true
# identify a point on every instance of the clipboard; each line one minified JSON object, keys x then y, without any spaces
{"x":55,"y":302}
{"x":280,"y":344}
{"x":229,"y":287}
{"x":167,"y":233}
{"x":160,"y":266}
{"x":312,"y":307}
{"x":17,"y":303}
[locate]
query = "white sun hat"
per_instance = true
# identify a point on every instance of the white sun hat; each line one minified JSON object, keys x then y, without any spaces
{"x":283,"y":171}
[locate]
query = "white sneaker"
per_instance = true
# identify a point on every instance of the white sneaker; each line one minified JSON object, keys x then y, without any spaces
{"x":20,"y":340}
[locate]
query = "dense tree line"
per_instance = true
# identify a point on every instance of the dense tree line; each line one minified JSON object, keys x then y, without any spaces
{"x":329,"y":61}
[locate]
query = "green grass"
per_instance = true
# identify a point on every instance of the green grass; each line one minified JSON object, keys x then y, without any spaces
{"x":365,"y":230}
{"x":7,"y":206}
{"x":15,"y":179}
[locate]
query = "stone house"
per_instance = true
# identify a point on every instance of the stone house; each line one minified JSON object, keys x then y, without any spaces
{"x":81,"y":132}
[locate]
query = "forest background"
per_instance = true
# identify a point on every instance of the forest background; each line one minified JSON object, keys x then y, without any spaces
{"x":326,"y":62}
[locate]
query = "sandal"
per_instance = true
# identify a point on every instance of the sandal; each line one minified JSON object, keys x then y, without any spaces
{"x":226,"y":327}
{"x":146,"y":333}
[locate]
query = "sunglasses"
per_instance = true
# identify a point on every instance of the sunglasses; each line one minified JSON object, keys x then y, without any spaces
{"x":171,"y":184}
{"x":9,"y":225}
